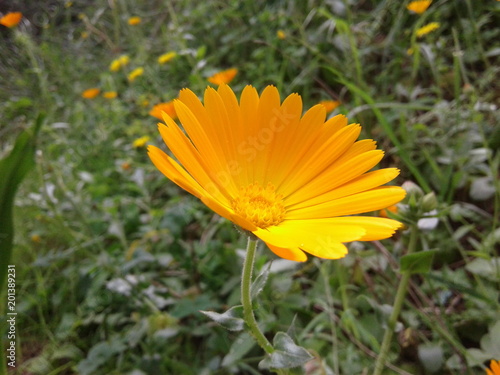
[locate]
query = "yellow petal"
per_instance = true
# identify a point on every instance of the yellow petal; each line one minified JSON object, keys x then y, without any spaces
{"x":367,"y":201}
{"x":320,"y":238}
{"x":362,"y":183}
{"x":376,"y":228}
{"x":290,"y":254}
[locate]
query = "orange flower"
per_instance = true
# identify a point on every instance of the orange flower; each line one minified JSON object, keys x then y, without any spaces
{"x":110,"y":94}
{"x":494,"y":368}
{"x":295,"y":180}
{"x":134,"y":20}
{"x":419,"y":6}
{"x":330,"y":105}
{"x":91,"y":93}
{"x":11,"y":19}
{"x":168,"y":108}
{"x":224,"y":76}
{"x":393,"y":209}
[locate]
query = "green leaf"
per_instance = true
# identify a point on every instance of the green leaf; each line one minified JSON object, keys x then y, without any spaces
{"x":260,"y":281}
{"x":13,"y":169}
{"x":231,"y":319}
{"x":417,"y":263}
{"x":287,"y":354}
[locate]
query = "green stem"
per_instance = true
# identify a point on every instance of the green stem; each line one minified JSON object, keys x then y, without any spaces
{"x":246,"y":298}
{"x":396,"y":309}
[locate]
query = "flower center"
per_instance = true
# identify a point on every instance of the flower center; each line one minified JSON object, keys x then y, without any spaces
{"x":262,"y":206}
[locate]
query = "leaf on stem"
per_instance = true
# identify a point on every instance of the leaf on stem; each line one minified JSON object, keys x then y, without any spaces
{"x":287,"y":354}
{"x":231,"y":319}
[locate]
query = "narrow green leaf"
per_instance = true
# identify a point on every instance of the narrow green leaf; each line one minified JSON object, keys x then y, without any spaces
{"x":13,"y":169}
{"x":287,"y":354}
{"x":418,"y":262}
{"x":231,"y":319}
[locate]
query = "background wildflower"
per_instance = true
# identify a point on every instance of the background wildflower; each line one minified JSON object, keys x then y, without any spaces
{"x":419,"y":6}
{"x":167,"y":107}
{"x":110,"y":94}
{"x":91,"y":93}
{"x":166,"y":57}
{"x":224,"y":76}
{"x":11,"y":19}
{"x":118,"y":63}
{"x":137,"y":72}
{"x":426,"y":29}
{"x":281,"y":34}
{"x":494,"y":368}
{"x":330,"y":105}
{"x":140,"y":142}
{"x":134,"y":20}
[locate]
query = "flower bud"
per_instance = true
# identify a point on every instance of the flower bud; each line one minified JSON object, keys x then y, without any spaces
{"x":429,"y":202}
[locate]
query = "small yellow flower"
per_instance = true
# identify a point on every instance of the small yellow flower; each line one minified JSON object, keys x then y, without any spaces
{"x":330,"y":105}
{"x":410,"y":51}
{"x":36,"y":238}
{"x":68,"y":4}
{"x":295,"y":180}
{"x":115,"y":65}
{"x":134,"y":20}
{"x":224,"y":76}
{"x":118,"y":63}
{"x":494,"y":365}
{"x":91,"y":93}
{"x":426,"y":29}
{"x":141,"y":142}
{"x":168,"y":108}
{"x":124,"y":60}
{"x":110,"y":94}
{"x":281,"y":34}
{"x":419,"y":6}
{"x":125,"y":165}
{"x":137,"y":72}
{"x":84,"y":35}
{"x":166,"y":57}
{"x":11,"y":19}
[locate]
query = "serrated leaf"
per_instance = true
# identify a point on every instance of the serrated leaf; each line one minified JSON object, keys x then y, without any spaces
{"x":231,"y":319}
{"x":260,"y":281}
{"x":417,"y":263}
{"x":287,"y":354}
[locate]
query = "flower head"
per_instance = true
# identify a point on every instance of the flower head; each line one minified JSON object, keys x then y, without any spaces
{"x":280,"y":34}
{"x":137,"y":72}
{"x":110,"y":94}
{"x":118,"y":63}
{"x":167,"y":107}
{"x":134,"y":20}
{"x":293,"y":180}
{"x":494,"y":368}
{"x":330,"y":105}
{"x":166,"y":57}
{"x":426,"y":29}
{"x":141,"y":142}
{"x":11,"y":19}
{"x":224,"y":76}
{"x":419,"y":6}
{"x":91,"y":93}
